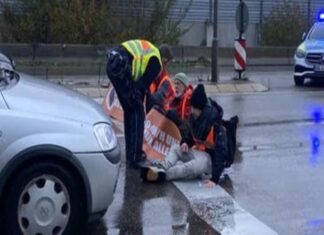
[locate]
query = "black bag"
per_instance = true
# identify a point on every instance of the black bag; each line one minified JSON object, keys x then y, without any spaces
{"x":231,"y":127}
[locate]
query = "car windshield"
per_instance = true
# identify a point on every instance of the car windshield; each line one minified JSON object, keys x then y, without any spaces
{"x":318,"y":32}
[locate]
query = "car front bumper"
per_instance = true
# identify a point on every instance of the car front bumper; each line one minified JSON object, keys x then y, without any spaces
{"x":102,"y":175}
{"x":306,"y":70}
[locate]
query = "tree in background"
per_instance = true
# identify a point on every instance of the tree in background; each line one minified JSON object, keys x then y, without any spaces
{"x":78,"y":21}
{"x":90,"y":21}
{"x":29,"y":27}
{"x":285,"y":25}
{"x":160,"y":28}
{"x":56,"y":21}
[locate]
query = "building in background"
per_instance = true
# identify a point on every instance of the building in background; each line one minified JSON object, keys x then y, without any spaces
{"x":200,"y":18}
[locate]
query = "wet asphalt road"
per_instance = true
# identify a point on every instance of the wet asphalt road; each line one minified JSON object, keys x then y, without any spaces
{"x":278,"y":174}
{"x":143,"y":209}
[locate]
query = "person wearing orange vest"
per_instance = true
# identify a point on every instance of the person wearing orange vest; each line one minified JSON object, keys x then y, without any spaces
{"x":162,"y":90}
{"x":131,"y":68}
{"x":181,"y":103}
{"x":202,"y":150}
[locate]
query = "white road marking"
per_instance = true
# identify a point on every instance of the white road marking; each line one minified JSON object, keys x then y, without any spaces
{"x":217,"y":208}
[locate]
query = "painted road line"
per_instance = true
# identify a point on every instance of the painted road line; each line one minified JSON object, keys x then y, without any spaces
{"x":217,"y":208}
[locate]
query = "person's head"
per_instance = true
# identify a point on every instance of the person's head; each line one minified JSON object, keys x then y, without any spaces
{"x":198,"y":101}
{"x":181,"y":82}
{"x":166,"y":54}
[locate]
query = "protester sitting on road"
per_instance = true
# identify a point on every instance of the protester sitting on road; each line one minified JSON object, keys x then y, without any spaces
{"x":161,"y":92}
{"x":202,"y":150}
{"x":180,"y":107}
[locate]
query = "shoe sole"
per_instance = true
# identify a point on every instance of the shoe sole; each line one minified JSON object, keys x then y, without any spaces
{"x":148,"y":175}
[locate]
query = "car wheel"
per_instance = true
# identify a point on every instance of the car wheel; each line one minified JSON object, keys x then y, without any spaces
{"x":299,"y":81}
{"x":44,"y":198}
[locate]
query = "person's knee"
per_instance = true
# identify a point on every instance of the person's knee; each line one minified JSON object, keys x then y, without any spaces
{"x":176,"y":149}
{"x":201,"y":164}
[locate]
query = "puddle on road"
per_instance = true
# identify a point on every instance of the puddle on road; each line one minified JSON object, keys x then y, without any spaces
{"x":141,"y":208}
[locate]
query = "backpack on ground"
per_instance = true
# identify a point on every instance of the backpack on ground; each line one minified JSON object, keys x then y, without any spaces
{"x":231,"y":127}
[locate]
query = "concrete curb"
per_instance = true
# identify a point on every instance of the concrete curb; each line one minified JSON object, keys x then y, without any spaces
{"x":218,"y":209}
{"x":250,"y":87}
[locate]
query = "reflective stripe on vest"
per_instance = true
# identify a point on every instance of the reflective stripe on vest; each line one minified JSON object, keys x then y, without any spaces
{"x":183,"y":108}
{"x":142,"y":51}
{"x":209,"y":143}
{"x":184,"y":105}
{"x":187,"y":96}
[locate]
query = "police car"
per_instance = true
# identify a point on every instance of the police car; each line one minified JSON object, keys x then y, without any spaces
{"x":309,"y":56}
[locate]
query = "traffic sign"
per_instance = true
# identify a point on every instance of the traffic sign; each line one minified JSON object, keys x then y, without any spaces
{"x":242,"y":17}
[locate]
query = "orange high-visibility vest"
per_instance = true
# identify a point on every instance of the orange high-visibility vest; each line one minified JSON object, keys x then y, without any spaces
{"x":185,"y":100}
{"x":209,"y":143}
{"x":155,"y":87}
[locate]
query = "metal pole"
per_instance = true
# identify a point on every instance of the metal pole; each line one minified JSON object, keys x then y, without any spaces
{"x":261,"y":21}
{"x":210,"y":10}
{"x":242,"y":23}
{"x":215,"y":45}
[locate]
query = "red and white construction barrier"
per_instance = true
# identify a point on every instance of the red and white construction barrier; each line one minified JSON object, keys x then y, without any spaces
{"x":240,"y":55}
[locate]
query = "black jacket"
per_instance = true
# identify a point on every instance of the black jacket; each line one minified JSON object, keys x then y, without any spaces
{"x":199,"y":128}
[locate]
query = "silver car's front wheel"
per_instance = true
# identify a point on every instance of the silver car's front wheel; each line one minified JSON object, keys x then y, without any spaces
{"x":44,"y":206}
{"x":45,"y":199}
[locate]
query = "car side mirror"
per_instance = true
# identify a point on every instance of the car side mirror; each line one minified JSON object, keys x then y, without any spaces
{"x":304,"y":36}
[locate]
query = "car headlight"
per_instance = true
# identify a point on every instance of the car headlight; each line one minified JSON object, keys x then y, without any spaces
{"x":300,"y":53}
{"x":106,"y":136}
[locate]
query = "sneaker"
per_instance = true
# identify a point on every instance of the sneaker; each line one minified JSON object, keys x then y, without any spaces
{"x":156,"y":163}
{"x":153,"y":174}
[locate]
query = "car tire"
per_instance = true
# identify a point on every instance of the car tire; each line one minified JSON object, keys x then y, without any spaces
{"x":299,"y":81}
{"x":44,"y":198}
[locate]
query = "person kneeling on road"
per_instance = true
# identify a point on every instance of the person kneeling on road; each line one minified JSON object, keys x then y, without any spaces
{"x":161,"y":92}
{"x":203,"y":147}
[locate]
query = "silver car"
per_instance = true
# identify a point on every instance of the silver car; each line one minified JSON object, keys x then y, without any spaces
{"x":59,"y":156}
{"x":309,"y":56}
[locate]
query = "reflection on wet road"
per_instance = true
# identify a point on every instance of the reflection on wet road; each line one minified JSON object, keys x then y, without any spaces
{"x":141,"y":208}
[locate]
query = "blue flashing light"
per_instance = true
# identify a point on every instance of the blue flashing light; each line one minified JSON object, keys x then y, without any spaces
{"x":316,"y":144}
{"x":321,"y":17}
{"x":315,"y":149}
{"x":317,"y":116}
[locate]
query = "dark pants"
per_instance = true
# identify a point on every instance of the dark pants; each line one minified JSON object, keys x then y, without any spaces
{"x":131,"y":101}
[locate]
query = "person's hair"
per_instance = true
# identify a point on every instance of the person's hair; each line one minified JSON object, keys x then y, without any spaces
{"x":166,"y":52}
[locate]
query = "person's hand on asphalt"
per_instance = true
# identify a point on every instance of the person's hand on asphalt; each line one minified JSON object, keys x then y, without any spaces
{"x":184,"y":148}
{"x":209,"y":184}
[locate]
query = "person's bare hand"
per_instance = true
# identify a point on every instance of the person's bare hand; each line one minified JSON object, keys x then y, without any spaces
{"x":209,"y":184}
{"x":184,"y":148}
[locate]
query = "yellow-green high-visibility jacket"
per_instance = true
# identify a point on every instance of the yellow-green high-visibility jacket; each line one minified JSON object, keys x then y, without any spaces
{"x":142,"y":51}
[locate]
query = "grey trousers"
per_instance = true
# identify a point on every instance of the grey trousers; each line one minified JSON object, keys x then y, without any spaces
{"x":179,"y":165}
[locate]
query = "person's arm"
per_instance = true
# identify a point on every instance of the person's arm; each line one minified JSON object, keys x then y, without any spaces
{"x":186,"y":134}
{"x":152,"y":72}
{"x":162,"y":93}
